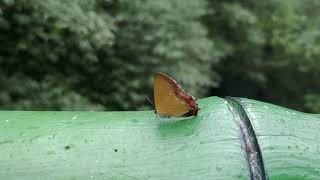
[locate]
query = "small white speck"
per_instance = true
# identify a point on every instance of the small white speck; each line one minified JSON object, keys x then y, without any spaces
{"x":74,"y":117}
{"x":97,"y":161}
{"x":266,"y":107}
{"x":7,"y":120}
{"x":287,"y":112}
{"x":91,"y":176}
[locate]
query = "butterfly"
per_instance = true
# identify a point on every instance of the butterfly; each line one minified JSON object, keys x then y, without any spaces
{"x":170,"y":99}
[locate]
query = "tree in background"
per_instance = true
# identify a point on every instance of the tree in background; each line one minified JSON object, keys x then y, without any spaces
{"x":84,"y":54}
{"x":271,"y":50}
{"x":102,"y":54}
{"x":156,"y":36}
{"x":46,"y":48}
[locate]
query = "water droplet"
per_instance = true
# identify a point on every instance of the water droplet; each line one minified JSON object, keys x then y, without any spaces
{"x":218,"y":168}
{"x":266,"y":107}
{"x":33,"y":127}
{"x":134,"y":120}
{"x":51,"y":152}
{"x":52,"y":136}
{"x":74,"y":117}
{"x":67,"y":147}
{"x":271,"y":148}
{"x":239,"y":176}
{"x":97,"y":161}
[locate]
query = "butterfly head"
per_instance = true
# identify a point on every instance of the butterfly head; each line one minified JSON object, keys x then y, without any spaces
{"x":193,"y":105}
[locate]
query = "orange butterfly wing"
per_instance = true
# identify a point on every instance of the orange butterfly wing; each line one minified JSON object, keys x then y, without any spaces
{"x":165,"y":98}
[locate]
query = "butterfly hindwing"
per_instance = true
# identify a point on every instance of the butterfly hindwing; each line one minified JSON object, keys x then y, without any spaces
{"x":166,"y":99}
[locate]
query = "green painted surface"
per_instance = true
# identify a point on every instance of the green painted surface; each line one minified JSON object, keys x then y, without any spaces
{"x":130,"y":145}
{"x":121,"y":145}
{"x":289,"y":140}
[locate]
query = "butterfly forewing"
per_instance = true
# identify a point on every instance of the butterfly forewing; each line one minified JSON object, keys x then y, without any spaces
{"x":166,"y":100}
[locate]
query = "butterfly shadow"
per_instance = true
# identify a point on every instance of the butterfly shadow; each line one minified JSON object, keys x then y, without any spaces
{"x":179,"y":127}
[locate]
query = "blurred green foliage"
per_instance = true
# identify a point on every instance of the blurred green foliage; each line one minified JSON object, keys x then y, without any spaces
{"x":102,"y":54}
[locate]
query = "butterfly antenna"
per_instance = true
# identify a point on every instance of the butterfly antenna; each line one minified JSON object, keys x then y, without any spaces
{"x":151,"y":102}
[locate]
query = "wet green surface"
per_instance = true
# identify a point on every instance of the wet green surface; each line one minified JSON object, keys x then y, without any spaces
{"x":121,"y":145}
{"x":289,"y":140}
{"x":131,"y":145}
